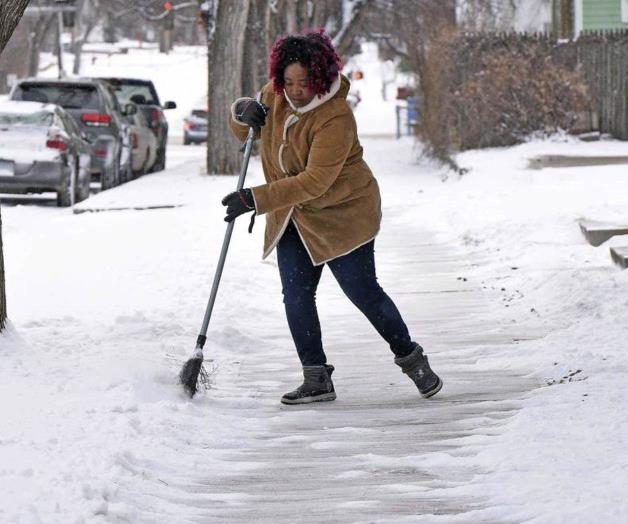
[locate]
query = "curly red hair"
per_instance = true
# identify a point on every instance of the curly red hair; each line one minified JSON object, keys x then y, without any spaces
{"x":312,"y":49}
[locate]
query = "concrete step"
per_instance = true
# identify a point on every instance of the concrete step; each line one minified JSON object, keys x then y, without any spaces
{"x":620,"y":256}
{"x":597,"y":233}
{"x":543,"y":161}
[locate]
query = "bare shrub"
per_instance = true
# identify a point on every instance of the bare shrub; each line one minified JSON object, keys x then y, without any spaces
{"x":516,"y":95}
{"x":496,"y":96}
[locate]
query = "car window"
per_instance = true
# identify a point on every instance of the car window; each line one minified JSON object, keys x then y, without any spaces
{"x":138,"y":94}
{"x":199,"y":113}
{"x":40,"y":118}
{"x":66,"y":95}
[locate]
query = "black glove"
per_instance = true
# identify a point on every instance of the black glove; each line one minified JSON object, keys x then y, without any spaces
{"x":251,"y":113}
{"x":238,"y":203}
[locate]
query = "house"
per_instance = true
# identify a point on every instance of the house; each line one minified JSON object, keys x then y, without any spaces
{"x":571,"y":17}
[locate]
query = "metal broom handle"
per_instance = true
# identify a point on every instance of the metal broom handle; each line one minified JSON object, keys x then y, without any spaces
{"x":248,"y":145}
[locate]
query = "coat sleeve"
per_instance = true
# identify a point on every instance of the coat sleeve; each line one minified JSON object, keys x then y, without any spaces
{"x":328,"y":153}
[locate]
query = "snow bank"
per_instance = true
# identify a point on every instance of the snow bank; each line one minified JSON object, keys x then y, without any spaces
{"x":562,"y":457}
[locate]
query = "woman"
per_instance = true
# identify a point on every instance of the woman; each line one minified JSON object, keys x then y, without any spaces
{"x":322,"y":206}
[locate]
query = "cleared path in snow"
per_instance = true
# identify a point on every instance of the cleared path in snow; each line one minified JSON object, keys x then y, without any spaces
{"x":380,"y":453}
{"x":120,"y":297}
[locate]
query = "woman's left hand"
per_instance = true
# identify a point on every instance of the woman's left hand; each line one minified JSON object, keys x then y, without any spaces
{"x":238,"y":203}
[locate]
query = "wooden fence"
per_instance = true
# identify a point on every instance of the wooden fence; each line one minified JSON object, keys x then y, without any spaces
{"x":604,"y":59}
{"x":601,"y":56}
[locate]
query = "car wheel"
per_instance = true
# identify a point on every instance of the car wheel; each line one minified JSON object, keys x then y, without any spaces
{"x":65,"y":197}
{"x":145,"y":168}
{"x":126,"y":170}
{"x":186,"y":141}
{"x":111,"y":176}
{"x":160,"y":163}
{"x":82,"y":191}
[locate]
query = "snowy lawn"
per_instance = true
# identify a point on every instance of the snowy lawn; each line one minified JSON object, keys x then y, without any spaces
{"x":563,"y":456}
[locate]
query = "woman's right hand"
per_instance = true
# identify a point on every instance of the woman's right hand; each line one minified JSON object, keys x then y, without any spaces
{"x":252,"y":113}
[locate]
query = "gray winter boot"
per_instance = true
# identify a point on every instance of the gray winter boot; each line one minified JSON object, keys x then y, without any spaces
{"x":317,"y":386}
{"x":416,"y":366}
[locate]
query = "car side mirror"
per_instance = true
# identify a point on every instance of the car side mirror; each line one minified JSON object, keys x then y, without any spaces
{"x":129,"y":109}
{"x":170,"y":105}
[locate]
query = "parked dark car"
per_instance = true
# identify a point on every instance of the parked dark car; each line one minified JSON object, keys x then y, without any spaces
{"x":195,"y":127}
{"x":41,"y":149}
{"x":144,"y":94}
{"x":99,"y":116}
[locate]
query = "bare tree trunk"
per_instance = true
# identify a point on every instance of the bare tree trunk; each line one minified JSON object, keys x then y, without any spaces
{"x":566,"y":19}
{"x":87,"y":17}
{"x":255,"y":53}
{"x":3,"y":298}
{"x":225,"y":49}
{"x":10,"y":13}
{"x":344,"y":38}
{"x":291,"y":16}
{"x":38,"y":37}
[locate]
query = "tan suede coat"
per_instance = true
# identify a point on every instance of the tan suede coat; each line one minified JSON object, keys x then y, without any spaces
{"x":315,"y":175}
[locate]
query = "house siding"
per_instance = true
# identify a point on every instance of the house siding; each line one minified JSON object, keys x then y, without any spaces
{"x":602,"y":14}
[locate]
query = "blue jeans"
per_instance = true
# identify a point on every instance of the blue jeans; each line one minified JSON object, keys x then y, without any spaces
{"x":355,"y":272}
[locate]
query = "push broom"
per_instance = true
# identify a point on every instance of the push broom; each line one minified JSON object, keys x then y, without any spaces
{"x":193,"y":368}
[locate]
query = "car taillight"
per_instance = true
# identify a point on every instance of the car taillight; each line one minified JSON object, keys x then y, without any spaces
{"x":134,"y":142}
{"x":57,"y":143}
{"x":100,"y":152}
{"x":96,"y":119}
{"x":188,"y":125}
{"x":155,"y":117}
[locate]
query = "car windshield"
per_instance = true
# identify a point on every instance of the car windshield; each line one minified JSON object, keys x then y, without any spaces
{"x":40,"y":118}
{"x":136,"y":93}
{"x":199,"y":113}
{"x":66,"y":96}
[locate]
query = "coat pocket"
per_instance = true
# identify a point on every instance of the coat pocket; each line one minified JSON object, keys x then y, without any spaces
{"x":343,"y":190}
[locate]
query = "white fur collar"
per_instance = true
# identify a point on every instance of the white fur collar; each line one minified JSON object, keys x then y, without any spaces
{"x":317,"y":100}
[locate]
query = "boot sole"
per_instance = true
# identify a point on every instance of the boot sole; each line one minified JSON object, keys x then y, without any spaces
{"x":433,"y":391}
{"x":308,"y":400}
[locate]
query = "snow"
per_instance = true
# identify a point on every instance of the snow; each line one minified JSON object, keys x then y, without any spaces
{"x":23,"y":108}
{"x":105,"y":306}
{"x":567,"y":445}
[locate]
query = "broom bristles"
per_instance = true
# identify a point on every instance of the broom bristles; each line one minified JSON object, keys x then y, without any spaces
{"x":189,"y":375}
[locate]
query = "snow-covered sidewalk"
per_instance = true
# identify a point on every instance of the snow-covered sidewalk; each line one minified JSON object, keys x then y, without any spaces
{"x":96,"y":427}
{"x":490,"y":273}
